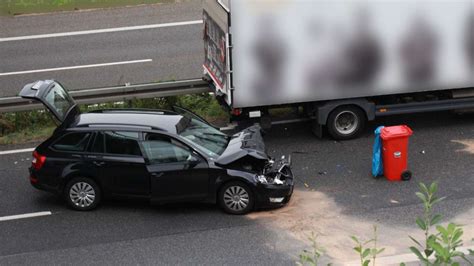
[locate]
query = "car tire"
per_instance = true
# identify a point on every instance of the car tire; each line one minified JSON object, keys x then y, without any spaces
{"x":346,"y":122}
{"x":236,"y":198}
{"x":82,"y":194}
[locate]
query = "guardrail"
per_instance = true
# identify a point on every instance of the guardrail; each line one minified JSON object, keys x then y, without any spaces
{"x":114,"y":94}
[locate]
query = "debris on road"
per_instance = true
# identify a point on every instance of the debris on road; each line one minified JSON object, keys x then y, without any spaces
{"x":468,"y":143}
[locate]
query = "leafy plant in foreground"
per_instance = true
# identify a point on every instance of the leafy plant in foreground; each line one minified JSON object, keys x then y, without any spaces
{"x":428,"y":198}
{"x":444,"y":243}
{"x":366,"y":254}
{"x":312,"y":256}
{"x":440,"y":248}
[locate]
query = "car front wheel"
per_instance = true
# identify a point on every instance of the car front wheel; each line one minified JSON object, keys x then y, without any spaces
{"x":236,"y":198}
{"x":82,"y":194}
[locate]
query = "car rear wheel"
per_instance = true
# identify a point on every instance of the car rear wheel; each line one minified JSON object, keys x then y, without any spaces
{"x":82,"y":194}
{"x":236,"y":198}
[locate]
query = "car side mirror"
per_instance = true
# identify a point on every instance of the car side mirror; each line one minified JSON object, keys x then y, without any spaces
{"x":192,"y":159}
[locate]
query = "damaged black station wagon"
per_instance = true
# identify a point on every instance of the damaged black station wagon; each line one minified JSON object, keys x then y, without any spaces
{"x":163,"y":156}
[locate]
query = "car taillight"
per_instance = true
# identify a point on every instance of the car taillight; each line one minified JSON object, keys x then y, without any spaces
{"x":38,"y":160}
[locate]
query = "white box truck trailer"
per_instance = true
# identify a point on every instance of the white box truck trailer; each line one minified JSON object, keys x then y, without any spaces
{"x":342,"y":61}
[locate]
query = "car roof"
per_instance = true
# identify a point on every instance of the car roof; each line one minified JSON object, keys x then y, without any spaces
{"x":129,"y":118}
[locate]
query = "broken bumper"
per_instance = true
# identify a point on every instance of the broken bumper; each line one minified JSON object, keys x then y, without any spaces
{"x":273,"y":195}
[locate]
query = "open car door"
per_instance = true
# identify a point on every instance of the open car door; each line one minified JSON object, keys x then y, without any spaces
{"x":53,"y":96}
{"x":187,"y":113}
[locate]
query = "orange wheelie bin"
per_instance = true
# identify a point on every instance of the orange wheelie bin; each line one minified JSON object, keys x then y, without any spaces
{"x":395,"y":152}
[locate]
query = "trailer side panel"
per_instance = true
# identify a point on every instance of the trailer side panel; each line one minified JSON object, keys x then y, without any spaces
{"x":301,"y":51}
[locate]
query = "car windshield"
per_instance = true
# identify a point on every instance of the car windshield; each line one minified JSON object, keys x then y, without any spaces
{"x":206,"y":138}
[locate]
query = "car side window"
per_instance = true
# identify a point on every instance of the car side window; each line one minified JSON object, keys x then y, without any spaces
{"x":74,"y":142}
{"x":163,"y":149}
{"x":99,"y":144}
{"x":121,"y":142}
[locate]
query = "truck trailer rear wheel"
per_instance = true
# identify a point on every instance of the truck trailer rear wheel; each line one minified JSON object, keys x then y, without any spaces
{"x":346,"y":122}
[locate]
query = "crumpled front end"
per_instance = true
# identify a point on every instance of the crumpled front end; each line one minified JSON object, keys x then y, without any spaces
{"x":275,"y":183}
{"x":273,"y":178}
{"x":276,"y":172}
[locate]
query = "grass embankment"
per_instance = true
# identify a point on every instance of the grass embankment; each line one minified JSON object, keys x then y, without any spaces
{"x":22,"y":127}
{"x":16,"y":7}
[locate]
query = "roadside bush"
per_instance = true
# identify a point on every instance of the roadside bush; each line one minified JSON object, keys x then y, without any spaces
{"x":204,"y":105}
{"x":14,"y":122}
{"x":37,"y":124}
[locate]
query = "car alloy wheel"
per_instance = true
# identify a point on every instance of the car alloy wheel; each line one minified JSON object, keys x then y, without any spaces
{"x":82,"y":194}
{"x":236,"y":198}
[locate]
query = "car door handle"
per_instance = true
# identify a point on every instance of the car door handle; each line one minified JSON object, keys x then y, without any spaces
{"x":98,"y":163}
{"x":157,"y":174}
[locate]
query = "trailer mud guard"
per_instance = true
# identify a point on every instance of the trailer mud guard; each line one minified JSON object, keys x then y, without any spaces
{"x":316,"y":128}
{"x":325,"y":109}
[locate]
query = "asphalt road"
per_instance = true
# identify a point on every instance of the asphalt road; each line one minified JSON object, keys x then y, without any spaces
{"x":335,"y":197}
{"x":176,"y":52}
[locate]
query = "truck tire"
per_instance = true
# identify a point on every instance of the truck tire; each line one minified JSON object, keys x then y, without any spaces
{"x":346,"y":122}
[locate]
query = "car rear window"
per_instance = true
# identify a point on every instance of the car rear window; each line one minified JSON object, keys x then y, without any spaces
{"x":59,"y":100}
{"x":75,"y":142}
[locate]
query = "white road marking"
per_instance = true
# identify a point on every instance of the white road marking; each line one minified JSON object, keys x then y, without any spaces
{"x":17,"y":151}
{"x":23,"y":216}
{"x":96,"y":31}
{"x":75,"y":67}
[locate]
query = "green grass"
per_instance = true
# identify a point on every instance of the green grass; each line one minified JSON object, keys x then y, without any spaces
{"x":27,"y":135}
{"x":21,"y":127}
{"x":16,"y":7}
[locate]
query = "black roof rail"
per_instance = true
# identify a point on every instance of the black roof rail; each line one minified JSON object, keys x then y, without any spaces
{"x":136,"y":111}
{"x":112,"y":125}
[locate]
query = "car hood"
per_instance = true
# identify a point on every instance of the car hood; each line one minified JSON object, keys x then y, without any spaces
{"x":248,"y":142}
